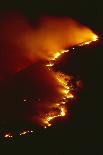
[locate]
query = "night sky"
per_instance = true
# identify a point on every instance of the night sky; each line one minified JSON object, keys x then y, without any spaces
{"x":82,"y":132}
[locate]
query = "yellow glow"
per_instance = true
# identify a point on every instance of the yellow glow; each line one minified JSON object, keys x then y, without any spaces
{"x":88,"y":42}
{"x":64,"y":51}
{"x":63,"y":112}
{"x":49,"y":118}
{"x":95,"y":38}
{"x":57,"y":54}
{"x":50,"y":64}
{"x":70,"y":96}
{"x":25,"y":132}
{"x":85,"y":43}
{"x":65,"y":91}
{"x":62,"y":81}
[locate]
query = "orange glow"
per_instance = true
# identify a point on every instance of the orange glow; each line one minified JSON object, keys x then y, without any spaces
{"x":45,"y":43}
{"x":94,"y":38}
{"x":56,"y":55}
{"x":54,"y":115}
{"x":64,"y":89}
{"x":63,"y":81}
{"x":53,"y":35}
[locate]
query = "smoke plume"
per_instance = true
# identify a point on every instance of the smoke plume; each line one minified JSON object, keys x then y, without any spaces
{"x":24,"y":49}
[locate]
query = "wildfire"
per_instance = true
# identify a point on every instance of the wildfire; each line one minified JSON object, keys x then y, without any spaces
{"x":63,"y":81}
{"x":95,"y":38}
{"x":60,"y":108}
{"x":47,"y":43}
{"x":57,"y":54}
{"x":54,"y":115}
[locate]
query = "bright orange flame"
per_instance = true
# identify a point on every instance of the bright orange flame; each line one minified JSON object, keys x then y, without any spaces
{"x":54,"y":115}
{"x":63,"y":113}
{"x":63,"y":81}
{"x":47,"y":43}
{"x":94,"y":38}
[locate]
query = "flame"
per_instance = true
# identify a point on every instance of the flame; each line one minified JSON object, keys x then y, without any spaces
{"x":8,"y":135}
{"x":52,"y":116}
{"x":57,"y":54}
{"x":66,"y":90}
{"x":94,"y":38}
{"x":26,"y":132}
{"x":47,"y":43}
{"x":63,"y":113}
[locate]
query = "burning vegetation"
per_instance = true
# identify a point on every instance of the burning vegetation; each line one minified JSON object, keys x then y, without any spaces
{"x":63,"y":80}
{"x":24,"y":45}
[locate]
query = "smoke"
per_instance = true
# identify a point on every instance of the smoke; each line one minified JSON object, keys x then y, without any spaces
{"x":53,"y":34}
{"x":34,"y":90}
{"x":21,"y":44}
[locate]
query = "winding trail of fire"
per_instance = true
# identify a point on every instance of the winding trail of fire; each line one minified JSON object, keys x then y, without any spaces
{"x":63,"y":81}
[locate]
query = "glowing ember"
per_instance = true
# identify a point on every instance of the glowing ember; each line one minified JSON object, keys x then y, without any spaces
{"x":26,"y":132}
{"x":8,"y":135}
